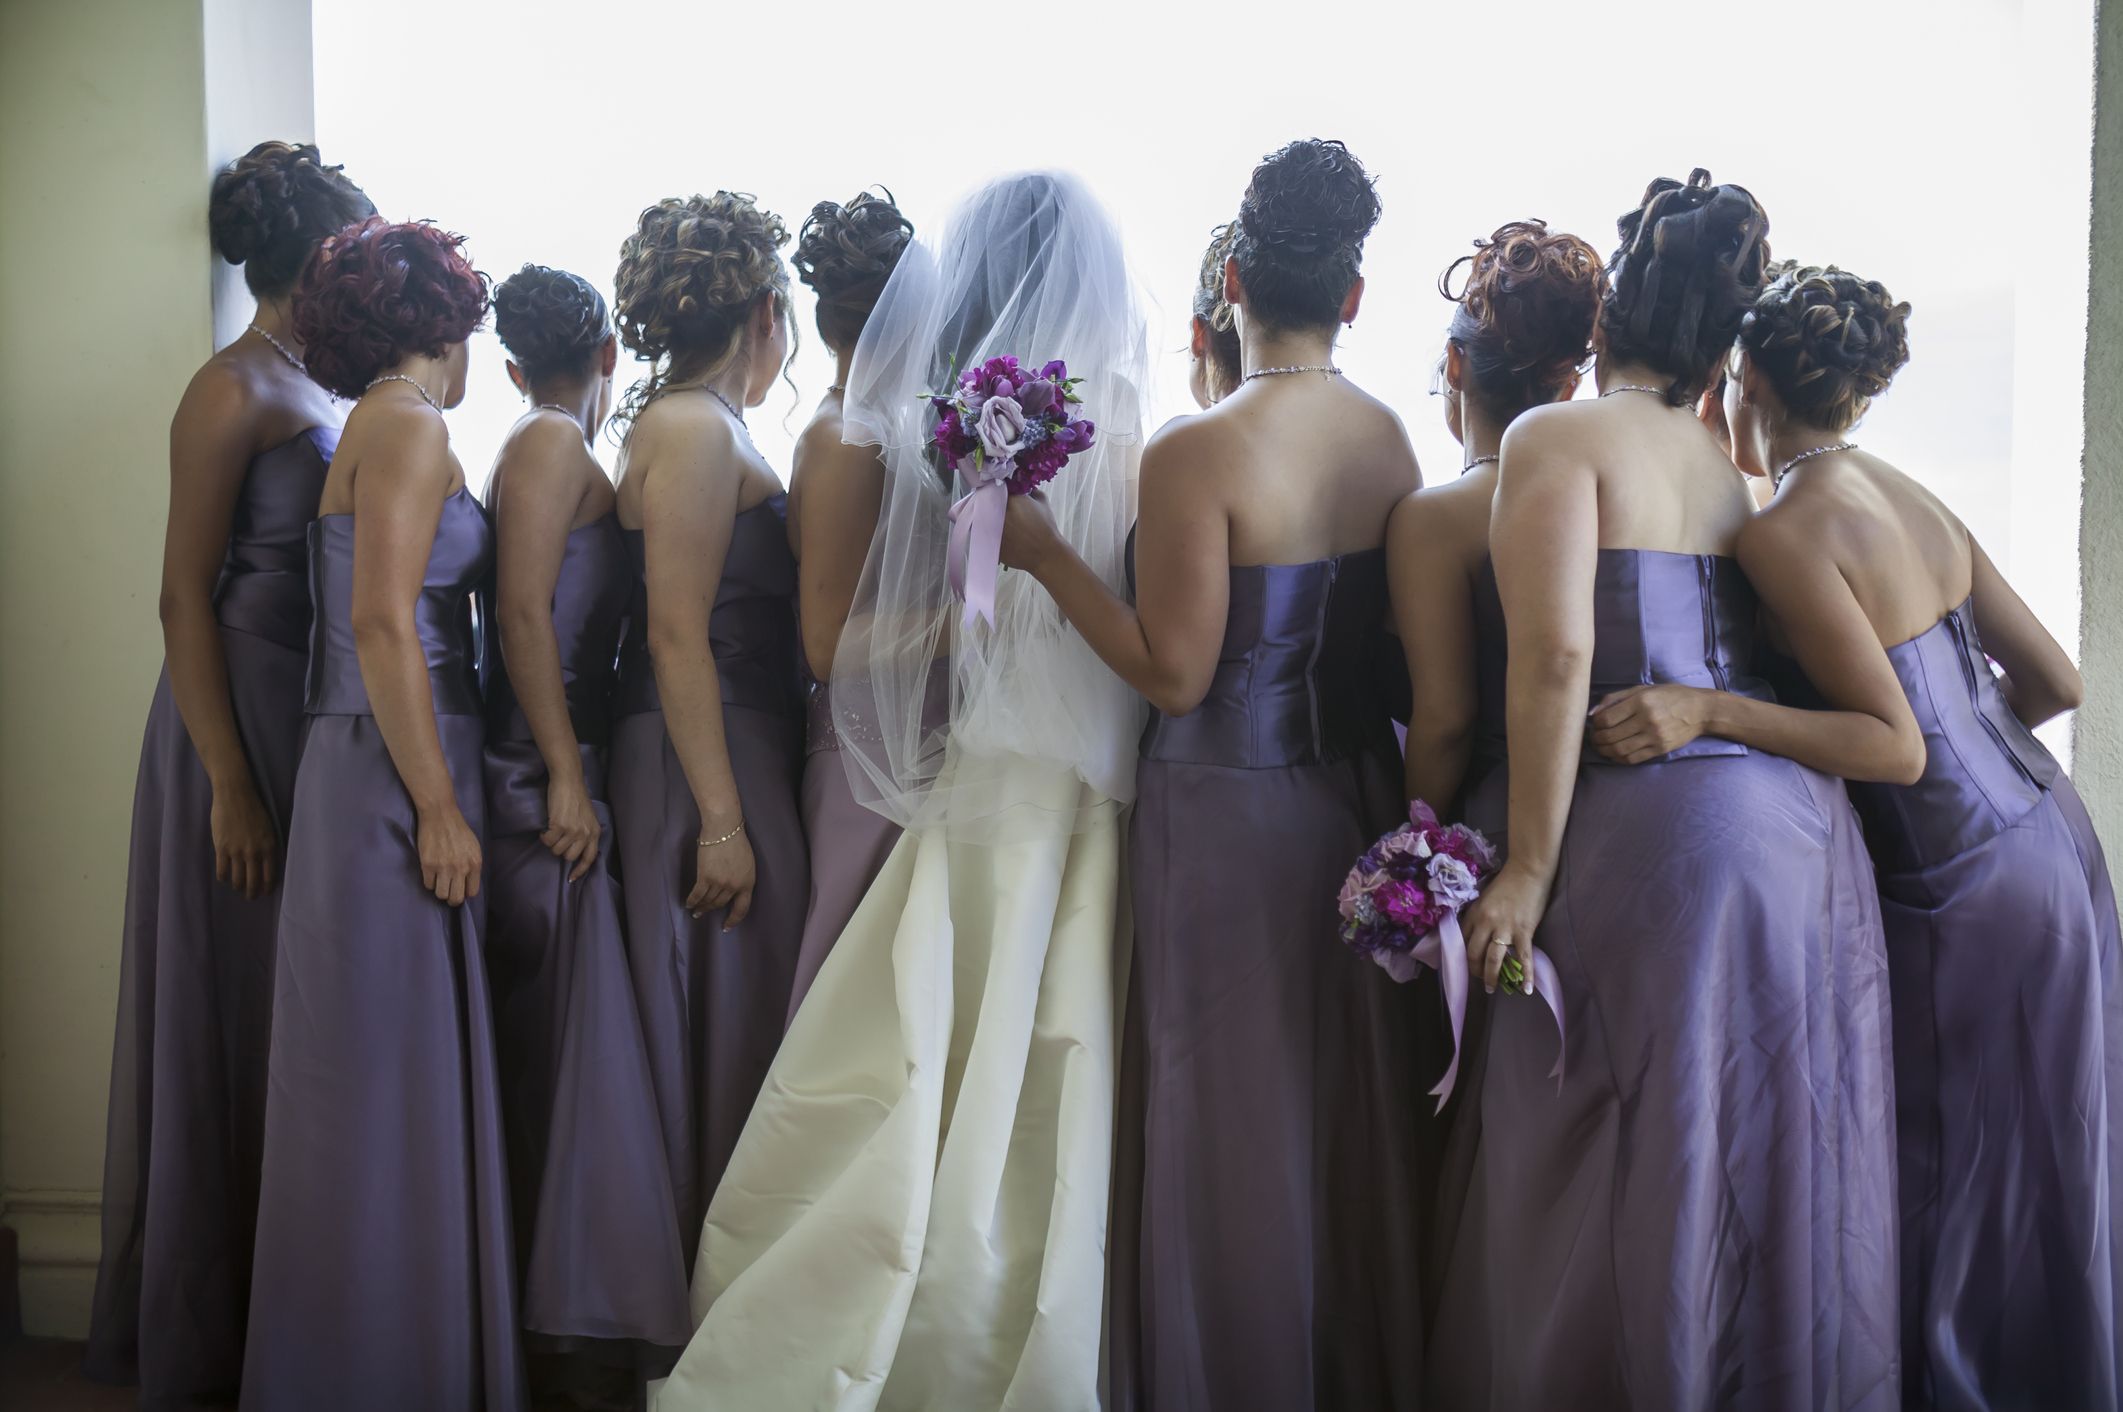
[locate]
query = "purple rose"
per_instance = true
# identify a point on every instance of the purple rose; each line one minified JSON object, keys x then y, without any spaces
{"x":1038,"y":396}
{"x":1451,"y":881}
{"x":1002,"y":427}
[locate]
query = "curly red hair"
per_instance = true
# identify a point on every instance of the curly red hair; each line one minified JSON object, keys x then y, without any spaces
{"x":378,"y":293}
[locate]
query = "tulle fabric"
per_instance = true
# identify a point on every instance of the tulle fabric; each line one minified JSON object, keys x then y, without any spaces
{"x":1030,"y":266}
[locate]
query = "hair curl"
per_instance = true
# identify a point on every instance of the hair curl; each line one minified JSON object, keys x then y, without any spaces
{"x":1688,"y":268}
{"x":1526,"y":314}
{"x":1828,"y":341}
{"x":272,"y":206}
{"x":1226,"y":366}
{"x":379,"y":293}
{"x":689,"y":275}
{"x":1301,"y":230}
{"x":550,"y":321}
{"x":846,"y":253}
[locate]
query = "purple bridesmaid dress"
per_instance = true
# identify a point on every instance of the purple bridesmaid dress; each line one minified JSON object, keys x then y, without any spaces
{"x":713,"y":1003}
{"x":1703,"y":1216}
{"x":1268,"y":1183}
{"x":383,"y":1273}
{"x":2002,"y":952}
{"x":195,"y":991}
{"x":594,"y":1221}
{"x":848,"y":841}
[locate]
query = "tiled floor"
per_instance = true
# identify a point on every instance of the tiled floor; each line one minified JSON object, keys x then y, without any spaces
{"x":44,"y":1375}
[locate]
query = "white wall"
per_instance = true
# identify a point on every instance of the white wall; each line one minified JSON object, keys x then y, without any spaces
{"x":107,"y":282}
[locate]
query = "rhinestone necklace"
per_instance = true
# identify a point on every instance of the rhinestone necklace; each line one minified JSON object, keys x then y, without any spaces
{"x":1776,"y":477}
{"x":282,"y":349}
{"x":1329,"y":369}
{"x":401,"y":377}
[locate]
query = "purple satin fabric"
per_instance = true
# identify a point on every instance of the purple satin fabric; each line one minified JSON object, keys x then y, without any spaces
{"x":595,"y":1226}
{"x":1705,"y":1216}
{"x":383,"y":1275}
{"x":848,"y":842}
{"x":188,"y":1070}
{"x":1269,"y":1171}
{"x":713,"y":1002}
{"x":2008,"y":1036}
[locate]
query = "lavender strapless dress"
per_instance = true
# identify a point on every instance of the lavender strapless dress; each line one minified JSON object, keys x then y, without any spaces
{"x":1268,"y":1179}
{"x":1704,"y":1215}
{"x":713,"y":1002}
{"x":195,"y":990}
{"x":848,"y":841}
{"x":594,"y":1222}
{"x":2002,"y":951}
{"x":383,"y":1273}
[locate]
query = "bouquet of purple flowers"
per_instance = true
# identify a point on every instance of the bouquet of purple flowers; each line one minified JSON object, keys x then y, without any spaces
{"x":1401,"y":904}
{"x":1017,"y":428}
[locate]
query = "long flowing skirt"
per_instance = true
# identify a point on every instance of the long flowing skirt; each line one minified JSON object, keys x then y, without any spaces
{"x":711,"y":1001}
{"x":1703,"y":1216}
{"x":849,"y":845}
{"x":1270,"y":1183}
{"x":915,"y":1217}
{"x":188,"y":1070}
{"x":2008,"y":1040}
{"x":384,"y":1275}
{"x":596,"y":1227}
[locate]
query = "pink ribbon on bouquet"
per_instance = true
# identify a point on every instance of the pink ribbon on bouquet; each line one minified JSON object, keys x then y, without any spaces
{"x":1445,"y":951}
{"x":974,"y":553}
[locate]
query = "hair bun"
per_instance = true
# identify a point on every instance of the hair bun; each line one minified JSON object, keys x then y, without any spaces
{"x":270,"y":208}
{"x":1689,"y":266}
{"x":550,"y":321}
{"x":692,"y":267}
{"x":1526,"y":313}
{"x":1311,"y":198}
{"x":1829,"y":342}
{"x":846,"y":253}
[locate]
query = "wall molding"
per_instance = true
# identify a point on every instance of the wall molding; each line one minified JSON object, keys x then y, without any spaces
{"x":60,"y":1236}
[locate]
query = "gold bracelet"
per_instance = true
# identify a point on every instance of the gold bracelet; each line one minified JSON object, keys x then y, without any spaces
{"x":711,"y":842}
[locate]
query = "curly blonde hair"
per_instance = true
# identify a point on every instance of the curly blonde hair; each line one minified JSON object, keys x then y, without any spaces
{"x":689,"y":276}
{"x":1828,"y":341}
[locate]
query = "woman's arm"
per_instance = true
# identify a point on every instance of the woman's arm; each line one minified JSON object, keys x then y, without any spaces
{"x":399,"y":488}
{"x":689,"y":494}
{"x":539,"y":490}
{"x":1166,"y":644}
{"x":210,"y":451}
{"x":1544,"y":541}
{"x":1871,"y":735}
{"x":1433,"y":611}
{"x":840,"y":491}
{"x":2037,"y":677}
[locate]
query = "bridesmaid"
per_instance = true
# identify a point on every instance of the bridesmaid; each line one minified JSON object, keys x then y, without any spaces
{"x":1258,"y":1259}
{"x":707,"y":750}
{"x":1213,"y":355}
{"x":2002,"y":940}
{"x":1704,"y":1214}
{"x":594,"y":1223}
{"x":383,"y":1270}
{"x":248,"y":449}
{"x":845,"y":254}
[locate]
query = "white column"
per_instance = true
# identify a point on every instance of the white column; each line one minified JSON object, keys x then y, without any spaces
{"x":2098,"y":731}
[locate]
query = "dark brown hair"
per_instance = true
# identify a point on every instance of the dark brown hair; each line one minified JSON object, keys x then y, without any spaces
{"x":1526,"y":314}
{"x":271,"y":207}
{"x":1301,"y":230}
{"x":689,"y":276}
{"x":377,"y":294}
{"x":1688,"y":268}
{"x":551,"y":322}
{"x":1226,"y":367}
{"x":1828,"y":341}
{"x":845,"y":253}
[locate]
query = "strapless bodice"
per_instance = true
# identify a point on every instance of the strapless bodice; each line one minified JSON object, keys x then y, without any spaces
{"x":264,"y":588}
{"x":751,"y":629}
{"x":1983,"y":769}
{"x":458,"y":563}
{"x":589,"y":611}
{"x":1297,"y":680}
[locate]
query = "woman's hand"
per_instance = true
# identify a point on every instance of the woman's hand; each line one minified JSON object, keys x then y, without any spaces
{"x":571,"y":827}
{"x":1646,"y":722}
{"x":245,"y":844}
{"x":1029,"y":535}
{"x":449,"y":855}
{"x":724,"y":875}
{"x":1502,"y":922}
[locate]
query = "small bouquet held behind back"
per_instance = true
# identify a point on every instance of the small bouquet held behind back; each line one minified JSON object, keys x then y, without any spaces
{"x":1400,"y":906}
{"x":1017,"y":428}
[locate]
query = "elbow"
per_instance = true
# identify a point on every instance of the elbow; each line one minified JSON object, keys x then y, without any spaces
{"x":1173,"y":697}
{"x":819,"y":648}
{"x":667,"y":645}
{"x":2068,"y":692}
{"x":518,"y":624}
{"x":175,"y":605}
{"x":379,"y":628}
{"x":1910,"y":759}
{"x":1560,"y":664}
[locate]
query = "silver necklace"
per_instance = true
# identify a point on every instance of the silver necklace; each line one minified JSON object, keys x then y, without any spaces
{"x":740,"y":417}
{"x":282,"y":349}
{"x":401,"y":377}
{"x":1776,"y":477}
{"x":1658,"y":392}
{"x":1329,"y":369}
{"x":1478,"y":461}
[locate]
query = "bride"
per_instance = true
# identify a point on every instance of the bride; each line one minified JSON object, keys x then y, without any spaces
{"x":915,"y":1215}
